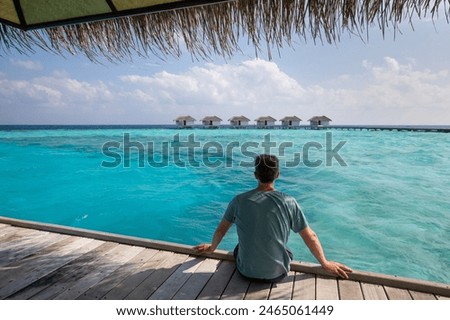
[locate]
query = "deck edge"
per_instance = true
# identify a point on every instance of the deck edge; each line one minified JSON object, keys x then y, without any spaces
{"x":357,"y":275}
{"x":113,"y":237}
{"x":437,"y":288}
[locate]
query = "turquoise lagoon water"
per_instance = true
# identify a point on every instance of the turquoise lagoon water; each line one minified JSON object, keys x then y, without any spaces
{"x":383,"y":207}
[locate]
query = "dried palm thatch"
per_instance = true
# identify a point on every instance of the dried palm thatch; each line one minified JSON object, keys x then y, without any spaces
{"x":216,"y":29}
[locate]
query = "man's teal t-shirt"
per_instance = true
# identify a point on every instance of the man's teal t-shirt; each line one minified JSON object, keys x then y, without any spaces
{"x":264,"y":220}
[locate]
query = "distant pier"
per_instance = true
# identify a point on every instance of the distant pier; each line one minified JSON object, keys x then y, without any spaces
{"x":445,"y":129}
{"x":383,"y":128}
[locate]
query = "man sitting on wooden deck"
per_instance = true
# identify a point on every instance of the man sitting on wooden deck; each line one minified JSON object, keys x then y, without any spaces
{"x":264,"y":218}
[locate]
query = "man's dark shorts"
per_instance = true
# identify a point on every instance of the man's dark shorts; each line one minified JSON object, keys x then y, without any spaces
{"x":274,"y":280}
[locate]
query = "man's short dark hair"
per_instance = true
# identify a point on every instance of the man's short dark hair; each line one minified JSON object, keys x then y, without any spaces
{"x":266,"y":168}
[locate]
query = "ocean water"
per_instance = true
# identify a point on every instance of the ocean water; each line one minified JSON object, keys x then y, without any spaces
{"x":379,"y":200}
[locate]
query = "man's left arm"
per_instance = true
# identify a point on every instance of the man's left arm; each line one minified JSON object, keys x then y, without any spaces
{"x":220,"y":232}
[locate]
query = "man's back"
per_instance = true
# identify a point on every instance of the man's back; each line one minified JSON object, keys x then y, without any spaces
{"x":264,"y":220}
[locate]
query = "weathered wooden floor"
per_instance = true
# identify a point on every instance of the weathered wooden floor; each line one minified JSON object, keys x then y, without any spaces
{"x":48,"y":265}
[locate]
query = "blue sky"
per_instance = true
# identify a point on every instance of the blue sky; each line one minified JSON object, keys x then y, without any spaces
{"x":401,"y":79}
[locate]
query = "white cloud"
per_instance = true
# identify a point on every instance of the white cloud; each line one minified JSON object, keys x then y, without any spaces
{"x":56,"y":92}
{"x":389,"y":93}
{"x":19,"y":89}
{"x":27,"y":64}
{"x":58,"y":100}
{"x":402,"y":93}
{"x":254,"y":87}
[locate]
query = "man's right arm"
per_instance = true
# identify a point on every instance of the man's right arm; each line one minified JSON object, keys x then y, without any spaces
{"x":312,"y":242}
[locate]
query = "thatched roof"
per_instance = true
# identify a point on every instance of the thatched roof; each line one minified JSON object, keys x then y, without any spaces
{"x":204,"y":30}
{"x":211,"y":118}
{"x":320,"y":118}
{"x":291,"y":118}
{"x":265,"y":118}
{"x":239,"y":118}
{"x":184,"y":118}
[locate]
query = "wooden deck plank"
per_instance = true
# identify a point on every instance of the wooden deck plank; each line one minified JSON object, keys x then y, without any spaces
{"x":283,"y":290}
{"x":55,"y":282}
{"x":32,"y":262}
{"x":157,"y":278}
{"x":7,"y":233}
{"x":19,"y":237}
{"x":258,"y":291}
{"x":20,"y":269}
{"x":218,"y":282}
{"x":10,"y":228}
{"x":416,"y":295}
{"x":99,"y":290}
{"x":170,"y":287}
{"x":25,"y":249}
{"x":19,"y":231}
{"x":24,"y":274}
{"x":131,"y":282}
{"x":4,"y":229}
{"x":350,"y":290}
{"x":397,"y":294}
{"x":105,"y":265}
{"x":12,"y":238}
{"x":195,"y":284}
{"x":304,"y":286}
{"x":71,"y":273}
{"x":373,"y":291}
{"x":16,"y":243}
{"x":326,"y":288}
{"x":236,"y":288}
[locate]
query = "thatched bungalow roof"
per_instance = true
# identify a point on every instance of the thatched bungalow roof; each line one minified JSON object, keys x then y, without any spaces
{"x":184,"y":118}
{"x":291,"y":118}
{"x":320,"y":118}
{"x":266,"y":118}
{"x":211,"y":118}
{"x":239,"y":118}
{"x":118,"y":29}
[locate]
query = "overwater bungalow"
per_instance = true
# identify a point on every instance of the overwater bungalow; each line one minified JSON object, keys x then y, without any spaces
{"x":185,"y":122}
{"x":211,"y":122}
{"x":290,"y":122}
{"x":265,"y":122}
{"x":319,"y":121}
{"x":239,"y":122}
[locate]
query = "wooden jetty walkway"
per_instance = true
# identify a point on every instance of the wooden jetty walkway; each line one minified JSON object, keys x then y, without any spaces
{"x":399,"y":128}
{"x":443,"y":129}
{"x":42,"y":261}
